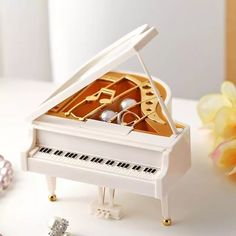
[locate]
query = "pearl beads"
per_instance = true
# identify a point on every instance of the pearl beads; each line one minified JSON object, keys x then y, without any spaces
{"x":126,"y":103}
{"x":6,"y":173}
{"x":107,"y":115}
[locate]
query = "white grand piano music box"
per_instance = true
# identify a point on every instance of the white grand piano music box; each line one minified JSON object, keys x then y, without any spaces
{"x":111,"y":129}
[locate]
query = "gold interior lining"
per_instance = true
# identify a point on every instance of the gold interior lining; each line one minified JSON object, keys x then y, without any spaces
{"x":107,"y":92}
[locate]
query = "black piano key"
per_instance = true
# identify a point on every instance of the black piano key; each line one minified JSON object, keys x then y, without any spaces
{"x":71,"y":154}
{"x":146,"y":169}
{"x":82,"y":157}
{"x":97,"y":159}
{"x":56,"y":152}
{"x":123,"y":165}
{"x":67,"y":154}
{"x":149,"y":170}
{"x":93,"y":159}
{"x":138,"y":167}
{"x":119,"y":164}
{"x":45,"y":150}
{"x":75,"y":155}
{"x":41,"y":149}
{"x":154,"y":170}
{"x":112,"y":162}
{"x":108,"y":162}
{"x":100,"y":161}
{"x":60,"y":152}
{"x":126,"y":166}
{"x":49,"y":150}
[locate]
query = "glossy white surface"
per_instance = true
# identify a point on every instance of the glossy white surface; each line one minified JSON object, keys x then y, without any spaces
{"x":203,"y":202}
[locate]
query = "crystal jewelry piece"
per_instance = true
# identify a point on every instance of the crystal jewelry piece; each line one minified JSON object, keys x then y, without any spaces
{"x":127,"y":102}
{"x":6,"y":173}
{"x":58,"y":227}
{"x":107,"y":115}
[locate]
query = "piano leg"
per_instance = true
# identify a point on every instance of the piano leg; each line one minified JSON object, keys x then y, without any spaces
{"x":165,"y":211}
{"x":51,"y":182}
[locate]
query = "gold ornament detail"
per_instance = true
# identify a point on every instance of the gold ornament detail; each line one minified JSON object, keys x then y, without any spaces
{"x":52,"y":198}
{"x":166,"y":222}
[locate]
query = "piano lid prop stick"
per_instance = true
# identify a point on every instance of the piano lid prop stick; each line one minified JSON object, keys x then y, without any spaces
{"x":157,"y":94}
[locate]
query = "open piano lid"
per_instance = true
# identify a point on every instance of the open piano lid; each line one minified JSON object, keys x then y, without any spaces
{"x":106,"y":60}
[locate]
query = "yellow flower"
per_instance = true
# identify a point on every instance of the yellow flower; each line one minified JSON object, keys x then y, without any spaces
{"x":210,"y":104}
{"x":220,"y":110}
{"x":225,"y":123}
{"x":224,"y":156}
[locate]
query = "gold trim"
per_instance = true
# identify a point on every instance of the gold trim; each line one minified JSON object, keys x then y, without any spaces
{"x":148,"y":108}
{"x":104,"y":105}
{"x":52,"y":198}
{"x":107,"y":78}
{"x":105,"y":91}
{"x":166,"y":222}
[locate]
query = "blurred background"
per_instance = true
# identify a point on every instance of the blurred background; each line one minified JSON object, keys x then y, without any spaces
{"x":49,"y":40}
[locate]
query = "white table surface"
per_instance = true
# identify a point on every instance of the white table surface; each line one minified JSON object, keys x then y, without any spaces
{"x":202,"y":203}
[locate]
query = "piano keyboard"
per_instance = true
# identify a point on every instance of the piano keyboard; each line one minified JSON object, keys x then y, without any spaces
{"x":99,"y":163}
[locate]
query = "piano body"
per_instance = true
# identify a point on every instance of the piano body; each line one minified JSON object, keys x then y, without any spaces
{"x":111,"y":129}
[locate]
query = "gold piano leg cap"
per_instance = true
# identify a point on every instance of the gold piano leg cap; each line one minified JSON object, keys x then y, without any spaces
{"x":166,"y":222}
{"x":52,"y":197}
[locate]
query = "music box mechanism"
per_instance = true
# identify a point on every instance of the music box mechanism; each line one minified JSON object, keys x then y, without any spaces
{"x":124,"y":99}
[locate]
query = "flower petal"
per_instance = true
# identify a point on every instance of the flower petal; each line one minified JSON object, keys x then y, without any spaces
{"x":232,"y":172}
{"x":218,"y":141}
{"x":225,"y":154}
{"x":228,"y":89}
{"x":209,"y":105}
{"x":225,"y":122}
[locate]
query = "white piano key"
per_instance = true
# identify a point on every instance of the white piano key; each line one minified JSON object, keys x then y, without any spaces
{"x":66,"y":157}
